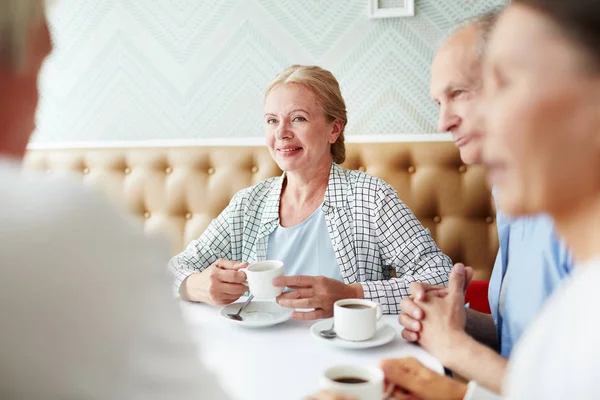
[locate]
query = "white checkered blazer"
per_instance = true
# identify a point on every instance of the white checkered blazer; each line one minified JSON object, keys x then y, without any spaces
{"x":372,"y":231}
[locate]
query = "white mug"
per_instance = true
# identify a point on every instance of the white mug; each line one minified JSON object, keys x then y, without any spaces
{"x":361,"y":383}
{"x":260,"y":276}
{"x":356,"y":319}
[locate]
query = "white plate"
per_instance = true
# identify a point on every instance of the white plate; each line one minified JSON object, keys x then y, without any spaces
{"x":385,"y":333}
{"x":258,"y":314}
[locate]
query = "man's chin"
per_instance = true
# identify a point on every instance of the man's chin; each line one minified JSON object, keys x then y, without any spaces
{"x":470,"y":154}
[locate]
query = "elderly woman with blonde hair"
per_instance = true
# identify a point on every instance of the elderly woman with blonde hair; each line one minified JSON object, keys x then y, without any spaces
{"x":341,"y":234}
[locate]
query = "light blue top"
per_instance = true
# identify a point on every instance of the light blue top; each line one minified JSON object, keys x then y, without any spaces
{"x":305,"y":249}
{"x":531,"y":263}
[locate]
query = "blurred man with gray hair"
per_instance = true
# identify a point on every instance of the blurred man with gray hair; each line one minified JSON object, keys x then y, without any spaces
{"x":528,"y":268}
{"x":85,"y":299}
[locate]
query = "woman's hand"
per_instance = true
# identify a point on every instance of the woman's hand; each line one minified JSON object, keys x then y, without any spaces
{"x":415,"y":381}
{"x":316,"y":292}
{"x":219,"y":284}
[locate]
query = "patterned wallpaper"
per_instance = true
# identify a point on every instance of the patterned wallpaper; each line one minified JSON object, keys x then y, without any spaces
{"x":184,"y":69}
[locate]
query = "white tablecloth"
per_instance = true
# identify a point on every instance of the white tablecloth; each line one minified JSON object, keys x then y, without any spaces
{"x":282,"y":361}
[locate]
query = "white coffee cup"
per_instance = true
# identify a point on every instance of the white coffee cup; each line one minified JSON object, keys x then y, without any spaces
{"x":356,"y":319}
{"x":260,"y":276}
{"x":336,"y":380}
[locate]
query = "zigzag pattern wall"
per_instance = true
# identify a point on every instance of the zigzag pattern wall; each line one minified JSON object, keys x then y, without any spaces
{"x":181,"y":69}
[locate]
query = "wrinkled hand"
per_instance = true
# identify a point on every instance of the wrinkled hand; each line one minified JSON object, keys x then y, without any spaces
{"x":443,"y":326}
{"x":412,"y":314}
{"x":329,"y":396}
{"x":219,"y":284}
{"x":415,"y":381}
{"x":316,"y":292}
{"x":398,"y":394}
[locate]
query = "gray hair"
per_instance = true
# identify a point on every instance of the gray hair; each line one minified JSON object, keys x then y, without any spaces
{"x":16,"y":20}
{"x":483,"y":23}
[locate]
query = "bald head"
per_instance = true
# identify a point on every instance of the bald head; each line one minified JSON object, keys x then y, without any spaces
{"x":457,"y":62}
{"x":24,"y":44}
{"x":456,"y":84}
{"x":16,"y":20}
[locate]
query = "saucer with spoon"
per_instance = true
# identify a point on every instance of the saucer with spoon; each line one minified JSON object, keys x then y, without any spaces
{"x":356,"y":323}
{"x":255,"y":314}
{"x":266,"y":312}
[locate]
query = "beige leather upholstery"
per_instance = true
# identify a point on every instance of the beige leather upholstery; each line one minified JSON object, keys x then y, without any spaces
{"x":178,"y":190}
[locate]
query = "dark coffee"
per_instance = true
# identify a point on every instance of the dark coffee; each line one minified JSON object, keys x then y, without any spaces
{"x":350,"y":379}
{"x":355,"y":306}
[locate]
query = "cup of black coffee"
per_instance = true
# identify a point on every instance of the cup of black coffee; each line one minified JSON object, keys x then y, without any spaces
{"x":356,"y":306}
{"x":356,"y":319}
{"x":362,"y":383}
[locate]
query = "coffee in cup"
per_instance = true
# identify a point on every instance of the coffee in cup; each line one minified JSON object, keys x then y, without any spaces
{"x":355,"y":306}
{"x":350,"y":379}
{"x":356,"y":319}
{"x":259,"y":278}
{"x":360,"y":383}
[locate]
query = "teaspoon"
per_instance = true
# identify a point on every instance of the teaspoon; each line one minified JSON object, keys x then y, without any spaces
{"x":237,"y":315}
{"x":328,"y":333}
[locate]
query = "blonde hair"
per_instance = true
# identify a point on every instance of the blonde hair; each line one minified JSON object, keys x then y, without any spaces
{"x":16,"y":20}
{"x":329,"y":97}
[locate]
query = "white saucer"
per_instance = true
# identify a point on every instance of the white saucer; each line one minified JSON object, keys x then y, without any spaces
{"x":385,"y":333}
{"x":258,"y":314}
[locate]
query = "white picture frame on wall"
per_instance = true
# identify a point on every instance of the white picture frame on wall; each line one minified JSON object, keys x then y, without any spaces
{"x":406,"y":9}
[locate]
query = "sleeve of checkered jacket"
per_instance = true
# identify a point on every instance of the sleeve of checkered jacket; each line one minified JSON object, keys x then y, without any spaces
{"x":408,"y":247}
{"x":213,"y":244}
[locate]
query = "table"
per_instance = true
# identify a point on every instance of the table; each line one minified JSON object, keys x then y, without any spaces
{"x":282,"y":361}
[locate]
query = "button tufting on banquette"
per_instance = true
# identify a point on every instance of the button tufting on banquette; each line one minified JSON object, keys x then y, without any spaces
{"x":179,"y":190}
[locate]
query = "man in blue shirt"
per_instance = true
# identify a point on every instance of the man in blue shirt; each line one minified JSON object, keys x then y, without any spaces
{"x":517,"y":294}
{"x":531,"y":261}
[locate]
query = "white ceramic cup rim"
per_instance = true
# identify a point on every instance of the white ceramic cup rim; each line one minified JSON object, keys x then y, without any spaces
{"x":276,"y":264}
{"x":362,"y":302}
{"x":372,"y":375}
{"x":260,"y":283}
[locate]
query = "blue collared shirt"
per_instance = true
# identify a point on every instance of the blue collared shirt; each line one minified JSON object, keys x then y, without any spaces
{"x":531,"y":263}
{"x":305,"y":249}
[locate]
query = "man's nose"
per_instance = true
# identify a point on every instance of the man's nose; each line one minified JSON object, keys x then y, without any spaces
{"x":448,"y":120}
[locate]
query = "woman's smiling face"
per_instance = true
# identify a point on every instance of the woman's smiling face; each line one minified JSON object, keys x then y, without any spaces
{"x":298,"y":133}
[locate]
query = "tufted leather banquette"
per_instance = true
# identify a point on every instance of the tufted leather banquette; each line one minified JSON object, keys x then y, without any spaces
{"x":178,"y":190}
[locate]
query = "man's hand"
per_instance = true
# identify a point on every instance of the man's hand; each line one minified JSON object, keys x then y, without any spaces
{"x":412,"y":314}
{"x":443,"y":326}
{"x":219,"y":284}
{"x":316,"y":292}
{"x":415,"y":381}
